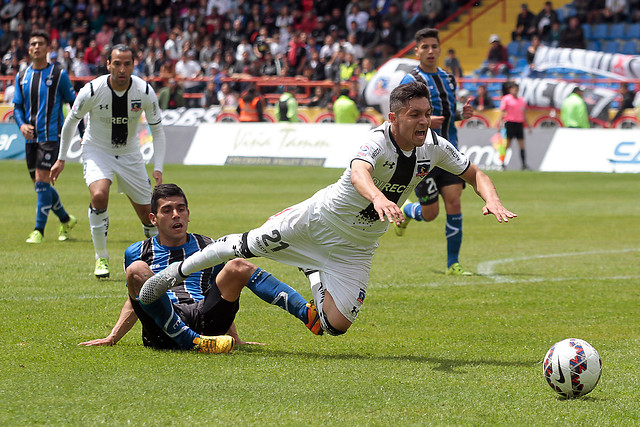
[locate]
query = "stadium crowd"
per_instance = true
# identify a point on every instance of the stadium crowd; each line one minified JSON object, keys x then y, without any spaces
{"x":335,"y":40}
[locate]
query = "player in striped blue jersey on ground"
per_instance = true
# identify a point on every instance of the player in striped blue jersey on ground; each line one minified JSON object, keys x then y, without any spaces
{"x":442,"y":90}
{"x":199,"y":312}
{"x":40,"y":92}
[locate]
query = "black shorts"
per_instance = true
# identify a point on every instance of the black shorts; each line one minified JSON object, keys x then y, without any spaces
{"x":41,"y":155}
{"x":211,"y":316}
{"x":514,"y":130}
{"x":428,"y":189}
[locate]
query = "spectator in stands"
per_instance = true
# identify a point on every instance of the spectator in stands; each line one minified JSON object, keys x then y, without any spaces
{"x":628,"y":96}
{"x":79,"y":68}
{"x":530,"y":55}
{"x":370,"y":38}
{"x":186,"y":69}
{"x":171,"y":96}
{"x":347,"y":67}
{"x":251,"y":105}
{"x":572,"y":36}
{"x":296,"y":55}
{"x":614,"y":11}
{"x":574,"y":113}
{"x":321,"y":97}
{"x":368,"y":70}
{"x":209,"y":96}
{"x":271,"y":66}
{"x":360,"y":17}
{"x":545,"y":18}
{"x":411,"y":13}
{"x":525,"y":24}
{"x":497,"y":58}
{"x":452,"y":64}
{"x":173,"y":45}
{"x":482,"y":101}
{"x":430,"y":13}
{"x":329,"y":48}
{"x":345,"y":109}
{"x":10,"y":10}
{"x":287,"y":107}
{"x":227,"y":97}
{"x":389,"y":42}
{"x":552,"y":38}
{"x":92,"y":56}
{"x":317,"y":67}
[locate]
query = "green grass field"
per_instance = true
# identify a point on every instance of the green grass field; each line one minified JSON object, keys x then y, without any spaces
{"x":426,"y":349}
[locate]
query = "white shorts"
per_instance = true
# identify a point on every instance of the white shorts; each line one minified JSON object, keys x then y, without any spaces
{"x":299,"y":236}
{"x":130,"y":169}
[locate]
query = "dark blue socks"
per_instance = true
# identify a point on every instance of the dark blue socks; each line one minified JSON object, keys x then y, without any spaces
{"x":453,"y":232}
{"x":275,"y":292}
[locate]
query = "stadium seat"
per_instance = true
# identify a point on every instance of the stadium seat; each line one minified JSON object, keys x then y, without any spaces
{"x":588,"y":32}
{"x":600,"y":32}
{"x":630,"y":47}
{"x":633,"y":31}
{"x":561,"y":14}
{"x":617,"y":32}
{"x":594,"y":45}
{"x":612,"y":46}
{"x":513,"y":49}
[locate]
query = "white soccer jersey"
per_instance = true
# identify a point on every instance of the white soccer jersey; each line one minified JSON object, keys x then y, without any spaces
{"x":394,"y":173}
{"x":113,"y":119}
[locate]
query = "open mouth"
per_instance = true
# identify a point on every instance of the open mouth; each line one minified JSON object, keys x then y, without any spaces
{"x":177,"y":226}
{"x":421,"y":133}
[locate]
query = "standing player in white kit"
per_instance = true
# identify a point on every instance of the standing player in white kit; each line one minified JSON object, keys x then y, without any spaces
{"x":332,"y":235}
{"x":110,"y":145}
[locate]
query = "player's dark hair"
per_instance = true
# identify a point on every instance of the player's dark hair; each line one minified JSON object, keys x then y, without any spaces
{"x":38,"y":32}
{"x":426,"y":33}
{"x":402,"y":94}
{"x":163,"y":191}
{"x":122,"y":48}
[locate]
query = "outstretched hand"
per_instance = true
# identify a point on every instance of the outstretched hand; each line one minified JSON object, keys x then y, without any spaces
{"x":501,"y":213}
{"x":385,"y":207}
{"x":99,"y":341}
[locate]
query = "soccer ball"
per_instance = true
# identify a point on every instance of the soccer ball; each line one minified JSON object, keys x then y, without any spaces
{"x":572,"y":367}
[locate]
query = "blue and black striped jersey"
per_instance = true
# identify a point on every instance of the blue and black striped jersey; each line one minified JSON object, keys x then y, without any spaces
{"x":442,"y":91}
{"x":158,"y":257}
{"x":38,"y":99}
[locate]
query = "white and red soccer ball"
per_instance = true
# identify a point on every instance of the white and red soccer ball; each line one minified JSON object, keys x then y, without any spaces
{"x":572,"y":367}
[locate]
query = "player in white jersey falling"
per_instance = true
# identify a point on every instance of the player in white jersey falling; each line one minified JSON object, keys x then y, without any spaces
{"x":333,"y":234}
{"x":110,"y":145}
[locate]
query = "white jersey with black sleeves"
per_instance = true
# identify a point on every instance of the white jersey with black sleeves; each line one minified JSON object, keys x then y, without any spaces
{"x":114,"y":116}
{"x":395,"y":173}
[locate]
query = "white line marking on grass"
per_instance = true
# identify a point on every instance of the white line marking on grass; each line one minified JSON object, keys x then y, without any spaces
{"x":487,"y":268}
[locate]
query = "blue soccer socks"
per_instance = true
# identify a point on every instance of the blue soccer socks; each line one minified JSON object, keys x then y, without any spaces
{"x":44,"y":203}
{"x":413,"y":211}
{"x":275,"y":292}
{"x":453,"y":232}
{"x":161,"y":310}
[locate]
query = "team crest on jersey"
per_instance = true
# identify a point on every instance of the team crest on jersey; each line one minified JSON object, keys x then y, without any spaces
{"x":49,"y":81}
{"x":423,"y":167}
{"x":136,"y":105}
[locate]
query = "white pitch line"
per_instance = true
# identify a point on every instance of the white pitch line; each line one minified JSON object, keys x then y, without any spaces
{"x":487,"y":268}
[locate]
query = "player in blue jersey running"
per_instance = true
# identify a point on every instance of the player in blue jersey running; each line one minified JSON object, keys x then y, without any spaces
{"x":40,"y":91}
{"x":198,"y":313}
{"x":442,"y":90}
